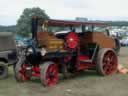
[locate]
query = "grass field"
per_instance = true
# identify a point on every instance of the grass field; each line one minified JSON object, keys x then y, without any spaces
{"x":84,"y":84}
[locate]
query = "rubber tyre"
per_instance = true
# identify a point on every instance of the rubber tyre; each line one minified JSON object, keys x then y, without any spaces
{"x":99,"y":61}
{"x":3,"y":70}
{"x":44,"y":67}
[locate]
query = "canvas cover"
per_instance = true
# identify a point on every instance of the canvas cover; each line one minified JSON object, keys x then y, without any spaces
{"x":7,"y":41}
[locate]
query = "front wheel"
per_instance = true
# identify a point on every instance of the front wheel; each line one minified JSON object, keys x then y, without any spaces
{"x":107,"y":62}
{"x":22,"y":70}
{"x":49,"y":74}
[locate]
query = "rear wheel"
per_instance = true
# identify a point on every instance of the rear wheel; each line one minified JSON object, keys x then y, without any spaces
{"x":49,"y":74}
{"x":106,"y":62}
{"x":3,"y":70}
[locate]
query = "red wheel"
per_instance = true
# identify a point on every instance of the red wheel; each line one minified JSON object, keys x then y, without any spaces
{"x":21,"y":72}
{"x":107,"y":62}
{"x":49,"y":74}
{"x":72,"y":40}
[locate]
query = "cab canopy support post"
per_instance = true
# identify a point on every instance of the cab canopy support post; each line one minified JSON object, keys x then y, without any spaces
{"x":83,"y":28}
{"x":92,"y":28}
{"x":72,"y":29}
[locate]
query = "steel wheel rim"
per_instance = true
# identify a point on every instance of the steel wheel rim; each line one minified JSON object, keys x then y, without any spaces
{"x":109,"y":63}
{"x":52,"y":75}
{"x":22,"y":72}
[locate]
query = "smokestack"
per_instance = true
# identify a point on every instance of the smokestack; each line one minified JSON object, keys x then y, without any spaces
{"x":34,"y":25}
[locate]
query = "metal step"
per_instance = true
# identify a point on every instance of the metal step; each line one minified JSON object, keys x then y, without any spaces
{"x":86,"y":61}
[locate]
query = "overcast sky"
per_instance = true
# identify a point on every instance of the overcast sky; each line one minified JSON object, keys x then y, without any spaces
{"x":10,"y":10}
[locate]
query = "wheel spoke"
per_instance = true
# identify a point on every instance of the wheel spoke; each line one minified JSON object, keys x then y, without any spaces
{"x":51,"y":75}
{"x":22,"y":72}
{"x":109,"y":63}
{"x":51,"y":69}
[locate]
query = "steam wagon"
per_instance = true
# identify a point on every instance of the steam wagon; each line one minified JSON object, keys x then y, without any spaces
{"x":62,"y":47}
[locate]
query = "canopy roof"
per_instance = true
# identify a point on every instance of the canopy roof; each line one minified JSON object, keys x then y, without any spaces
{"x":53,"y":22}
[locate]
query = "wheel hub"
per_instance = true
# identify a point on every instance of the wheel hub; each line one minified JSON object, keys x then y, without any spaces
{"x":51,"y":75}
{"x":24,"y":73}
{"x":109,"y":63}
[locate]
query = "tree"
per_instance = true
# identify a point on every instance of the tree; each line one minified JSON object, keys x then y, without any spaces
{"x":24,"y":22}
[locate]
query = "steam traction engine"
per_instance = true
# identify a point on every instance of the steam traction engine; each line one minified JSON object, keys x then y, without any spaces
{"x":50,"y":54}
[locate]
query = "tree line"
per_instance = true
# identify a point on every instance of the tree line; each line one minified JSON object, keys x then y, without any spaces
{"x":117,"y":23}
{"x":8,"y":28}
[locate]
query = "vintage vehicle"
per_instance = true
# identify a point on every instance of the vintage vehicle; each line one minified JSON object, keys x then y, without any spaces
{"x":50,"y":54}
{"x":7,"y":52}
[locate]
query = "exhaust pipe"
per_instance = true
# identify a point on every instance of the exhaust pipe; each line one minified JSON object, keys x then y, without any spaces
{"x":34,"y":25}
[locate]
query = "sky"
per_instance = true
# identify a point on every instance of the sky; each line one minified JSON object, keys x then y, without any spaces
{"x":10,"y":10}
